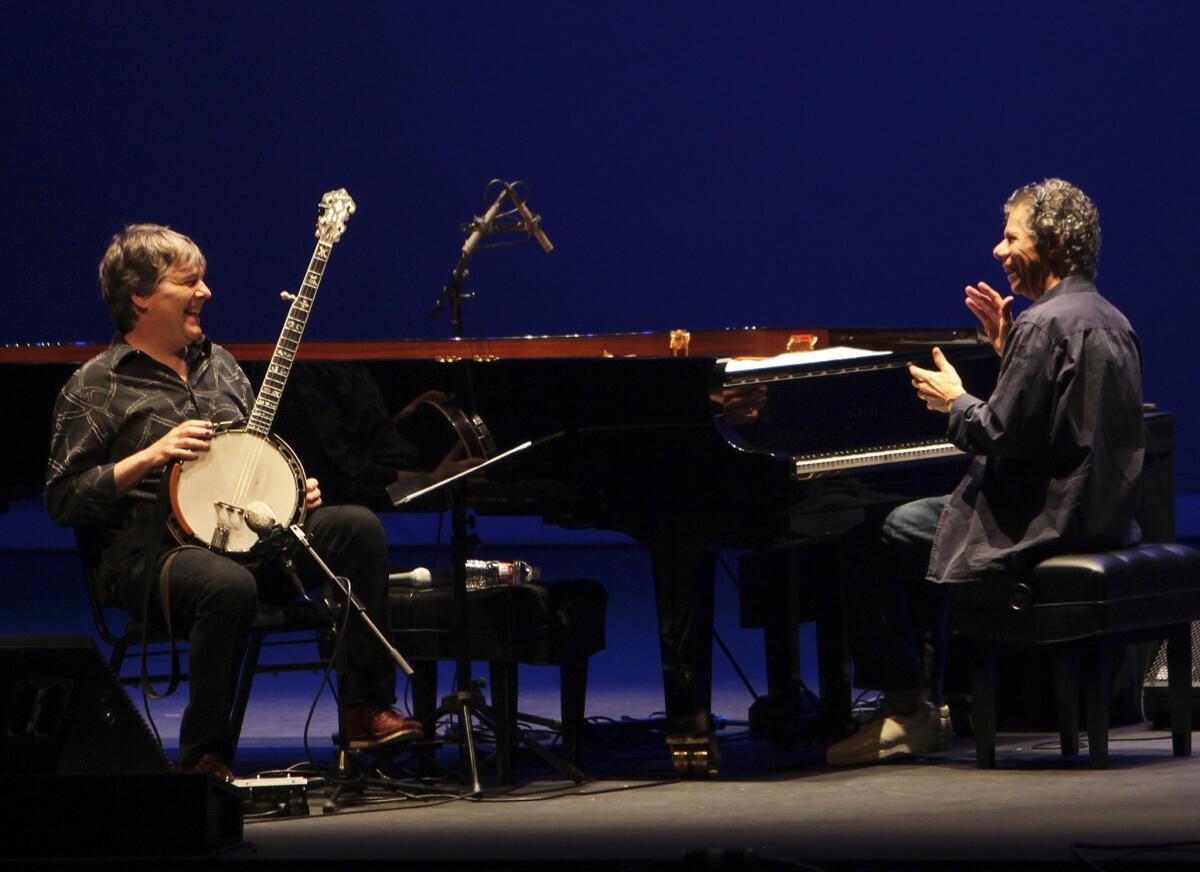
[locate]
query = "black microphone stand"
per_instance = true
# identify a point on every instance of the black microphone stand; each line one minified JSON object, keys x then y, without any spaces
{"x":467,"y":701}
{"x":281,"y":542}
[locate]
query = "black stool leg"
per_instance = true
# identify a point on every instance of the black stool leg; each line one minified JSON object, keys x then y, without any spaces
{"x":424,"y":704}
{"x":245,"y":682}
{"x":1179,"y":688}
{"x":503,"y":676}
{"x":572,"y":684}
{"x":983,"y":708}
{"x":1097,"y":690}
{"x":424,"y":692}
{"x":117,"y":658}
{"x":1066,"y":693}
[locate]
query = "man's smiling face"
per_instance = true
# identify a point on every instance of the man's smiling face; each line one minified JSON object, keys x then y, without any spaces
{"x":1028,"y":273}
{"x":172,"y":312}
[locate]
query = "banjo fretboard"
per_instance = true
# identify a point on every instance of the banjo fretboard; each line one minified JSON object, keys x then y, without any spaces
{"x":336,"y":209}
{"x":269,"y":395}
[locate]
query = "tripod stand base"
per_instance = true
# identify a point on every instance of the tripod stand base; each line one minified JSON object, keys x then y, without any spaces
{"x":468,"y":704}
{"x":352,"y":782}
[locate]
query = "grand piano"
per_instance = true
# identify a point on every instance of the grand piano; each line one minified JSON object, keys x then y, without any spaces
{"x":688,"y":442}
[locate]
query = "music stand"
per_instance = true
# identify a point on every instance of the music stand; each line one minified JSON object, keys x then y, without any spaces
{"x":466,"y":702}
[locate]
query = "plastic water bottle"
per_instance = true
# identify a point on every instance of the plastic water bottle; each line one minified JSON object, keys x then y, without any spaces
{"x":482,"y":574}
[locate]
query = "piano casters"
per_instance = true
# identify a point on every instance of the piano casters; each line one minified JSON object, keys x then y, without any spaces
{"x":695,"y":756}
{"x":518,"y":219}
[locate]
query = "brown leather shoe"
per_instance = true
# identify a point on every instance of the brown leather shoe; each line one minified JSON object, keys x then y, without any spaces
{"x":211,"y":763}
{"x":369,"y":726}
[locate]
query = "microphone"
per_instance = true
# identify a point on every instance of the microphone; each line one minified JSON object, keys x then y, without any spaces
{"x":260,"y":517}
{"x":533,"y":222}
{"x":279,"y":540}
{"x":483,"y":224}
{"x":419,"y":577}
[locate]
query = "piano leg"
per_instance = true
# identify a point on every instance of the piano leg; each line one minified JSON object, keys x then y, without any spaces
{"x":781,"y":588}
{"x":684,"y":570}
{"x":833,"y":658}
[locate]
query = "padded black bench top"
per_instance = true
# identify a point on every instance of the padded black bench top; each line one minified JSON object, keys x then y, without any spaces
{"x":1078,"y":596}
{"x":526,"y":623}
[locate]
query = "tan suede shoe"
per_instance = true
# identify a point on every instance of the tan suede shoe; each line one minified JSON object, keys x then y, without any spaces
{"x":891,"y":735}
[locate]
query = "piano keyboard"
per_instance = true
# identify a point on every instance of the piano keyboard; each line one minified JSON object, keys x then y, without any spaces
{"x":876,"y":457}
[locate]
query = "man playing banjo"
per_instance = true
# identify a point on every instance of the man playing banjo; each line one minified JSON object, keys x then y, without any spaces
{"x":156,"y":396}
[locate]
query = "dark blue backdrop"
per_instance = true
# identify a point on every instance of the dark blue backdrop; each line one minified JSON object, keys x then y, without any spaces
{"x":696,"y":164}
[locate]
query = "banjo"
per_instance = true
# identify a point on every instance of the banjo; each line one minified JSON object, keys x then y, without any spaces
{"x":246,"y":464}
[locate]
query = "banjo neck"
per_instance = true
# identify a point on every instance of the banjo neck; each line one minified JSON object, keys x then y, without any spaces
{"x":210,"y":496}
{"x":337,"y":207}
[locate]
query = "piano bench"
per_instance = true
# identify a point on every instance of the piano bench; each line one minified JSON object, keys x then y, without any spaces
{"x":1078,"y":607}
{"x":553,"y":624}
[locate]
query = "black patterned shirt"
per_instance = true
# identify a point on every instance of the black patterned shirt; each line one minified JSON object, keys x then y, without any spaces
{"x":116,"y":404}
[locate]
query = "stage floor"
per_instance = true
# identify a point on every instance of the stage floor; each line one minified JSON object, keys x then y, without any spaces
{"x":632,"y":813}
{"x":1036,"y":808}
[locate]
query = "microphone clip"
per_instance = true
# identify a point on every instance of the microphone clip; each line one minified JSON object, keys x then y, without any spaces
{"x":278,"y":541}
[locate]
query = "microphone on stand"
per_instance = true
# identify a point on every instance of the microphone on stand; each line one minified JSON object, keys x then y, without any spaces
{"x":260,"y":518}
{"x":533,"y":222}
{"x":484,"y":224}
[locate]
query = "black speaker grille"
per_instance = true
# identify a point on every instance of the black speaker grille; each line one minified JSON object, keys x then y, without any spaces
{"x":64,"y":712}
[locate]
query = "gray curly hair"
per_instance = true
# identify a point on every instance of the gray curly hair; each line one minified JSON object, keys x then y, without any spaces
{"x":1065,"y":224}
{"x":137,"y":259}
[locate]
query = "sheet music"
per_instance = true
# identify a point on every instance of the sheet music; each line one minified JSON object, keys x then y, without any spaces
{"x":800,"y":358}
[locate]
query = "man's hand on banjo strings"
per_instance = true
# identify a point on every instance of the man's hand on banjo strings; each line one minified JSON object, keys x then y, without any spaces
{"x":183,"y":442}
{"x":186,"y":441}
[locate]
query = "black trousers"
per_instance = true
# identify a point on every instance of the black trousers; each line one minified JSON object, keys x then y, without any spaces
{"x":213,"y":600}
{"x":899,"y":624}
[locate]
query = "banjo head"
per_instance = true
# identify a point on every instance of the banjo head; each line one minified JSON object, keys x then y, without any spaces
{"x":208,"y":495}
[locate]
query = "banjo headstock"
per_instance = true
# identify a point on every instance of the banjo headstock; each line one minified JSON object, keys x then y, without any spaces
{"x":336,"y":209}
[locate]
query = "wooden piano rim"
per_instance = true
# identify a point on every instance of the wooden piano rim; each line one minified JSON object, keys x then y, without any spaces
{"x":732,"y":342}
{"x":727,"y":342}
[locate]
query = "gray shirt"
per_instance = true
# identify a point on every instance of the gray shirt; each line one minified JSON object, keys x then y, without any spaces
{"x":1058,"y":444}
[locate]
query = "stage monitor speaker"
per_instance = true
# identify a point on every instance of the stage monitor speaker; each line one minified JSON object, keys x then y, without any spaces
{"x":1155,"y":700}
{"x":65,"y":713}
